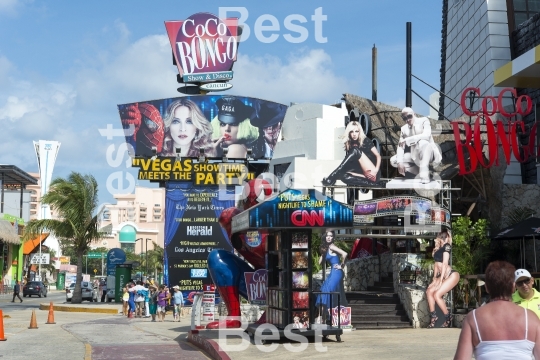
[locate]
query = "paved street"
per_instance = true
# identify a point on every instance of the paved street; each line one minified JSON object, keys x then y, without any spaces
{"x":79,"y":335}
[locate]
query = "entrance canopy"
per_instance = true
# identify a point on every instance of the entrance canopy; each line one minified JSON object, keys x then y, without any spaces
{"x":295,"y":209}
{"x":30,"y":245}
{"x":527,"y":228}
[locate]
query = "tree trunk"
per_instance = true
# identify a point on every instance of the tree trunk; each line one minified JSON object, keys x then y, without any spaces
{"x":77,"y":292}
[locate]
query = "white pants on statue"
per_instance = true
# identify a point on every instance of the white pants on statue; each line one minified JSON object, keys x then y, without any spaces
{"x":417,"y":161}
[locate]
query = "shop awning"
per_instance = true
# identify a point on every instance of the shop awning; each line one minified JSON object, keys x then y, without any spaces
{"x":295,"y":209}
{"x":8,"y":233}
{"x":522,"y":72}
{"x":30,"y":245}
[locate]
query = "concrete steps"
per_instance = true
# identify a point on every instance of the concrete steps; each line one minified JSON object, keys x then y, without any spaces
{"x":378,"y":307}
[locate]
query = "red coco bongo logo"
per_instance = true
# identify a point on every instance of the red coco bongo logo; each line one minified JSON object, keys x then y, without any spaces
{"x":203,"y":43}
{"x":498,"y":133}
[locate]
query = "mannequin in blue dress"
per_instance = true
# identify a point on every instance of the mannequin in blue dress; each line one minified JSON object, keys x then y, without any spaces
{"x":334,"y":281}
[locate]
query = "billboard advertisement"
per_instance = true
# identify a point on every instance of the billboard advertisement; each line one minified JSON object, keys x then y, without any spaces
{"x":294,"y":209}
{"x":366,"y":211}
{"x":204,"y":45}
{"x":361,"y":166}
{"x":192,"y":231}
{"x":186,"y":126}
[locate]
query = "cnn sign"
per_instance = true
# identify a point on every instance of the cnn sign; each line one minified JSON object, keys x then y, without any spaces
{"x":203,"y":43}
{"x":498,"y":133}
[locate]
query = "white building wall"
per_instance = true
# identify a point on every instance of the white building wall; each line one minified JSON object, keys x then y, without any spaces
{"x":478,"y":43}
{"x":310,"y":142}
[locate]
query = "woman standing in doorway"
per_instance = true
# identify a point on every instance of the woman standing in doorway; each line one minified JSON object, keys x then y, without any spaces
{"x":444,"y":279}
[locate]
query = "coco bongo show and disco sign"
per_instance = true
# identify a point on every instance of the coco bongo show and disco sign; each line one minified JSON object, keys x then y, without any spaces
{"x":204,"y":47}
{"x":497,"y":132}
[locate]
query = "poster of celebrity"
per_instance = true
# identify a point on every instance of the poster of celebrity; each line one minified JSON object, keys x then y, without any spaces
{"x":203,"y":122}
{"x":334,"y":282}
{"x":416,"y":149}
{"x":362,"y":164}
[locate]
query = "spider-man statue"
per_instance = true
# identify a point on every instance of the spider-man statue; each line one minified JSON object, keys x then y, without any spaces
{"x":227,"y":270}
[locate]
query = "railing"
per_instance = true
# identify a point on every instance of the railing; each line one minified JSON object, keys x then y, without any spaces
{"x":324,"y":319}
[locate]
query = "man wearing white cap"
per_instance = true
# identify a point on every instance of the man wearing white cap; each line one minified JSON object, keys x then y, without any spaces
{"x":526,"y":295}
{"x":178,"y":300}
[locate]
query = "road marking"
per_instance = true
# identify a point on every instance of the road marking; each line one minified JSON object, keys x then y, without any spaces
{"x":88,"y":352}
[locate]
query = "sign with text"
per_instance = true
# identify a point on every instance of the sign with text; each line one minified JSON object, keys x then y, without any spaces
{"x":95,"y":255}
{"x":366,"y":211}
{"x":192,"y":231}
{"x":297,"y":209}
{"x":256,"y":285}
{"x":115,"y":257}
{"x":506,"y":134}
{"x":203,"y":43}
{"x":166,"y":169}
{"x":44,"y":259}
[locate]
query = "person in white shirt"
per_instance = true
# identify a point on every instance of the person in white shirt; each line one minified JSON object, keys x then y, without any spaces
{"x":139,"y":299}
{"x":417,"y":138}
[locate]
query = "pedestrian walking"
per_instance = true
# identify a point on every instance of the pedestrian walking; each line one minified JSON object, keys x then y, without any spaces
{"x":178,"y":301}
{"x":125,"y":299}
{"x":162,"y":298}
{"x":16,"y":291}
{"x":153,"y":301}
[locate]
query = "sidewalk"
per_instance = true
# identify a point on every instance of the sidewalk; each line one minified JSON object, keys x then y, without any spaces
{"x":81,"y":335}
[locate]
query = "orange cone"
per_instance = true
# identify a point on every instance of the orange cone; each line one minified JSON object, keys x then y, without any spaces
{"x":33,"y":322}
{"x":50,"y":318}
{"x":2,"y":338}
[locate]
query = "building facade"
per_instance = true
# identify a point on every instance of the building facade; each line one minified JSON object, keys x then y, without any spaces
{"x":135,"y":222}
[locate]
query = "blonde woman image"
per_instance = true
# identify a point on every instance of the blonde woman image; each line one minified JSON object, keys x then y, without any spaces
{"x":187,"y":129}
{"x":361,"y":164}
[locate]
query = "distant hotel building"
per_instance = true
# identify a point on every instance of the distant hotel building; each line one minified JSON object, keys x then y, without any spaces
{"x":135,"y":216}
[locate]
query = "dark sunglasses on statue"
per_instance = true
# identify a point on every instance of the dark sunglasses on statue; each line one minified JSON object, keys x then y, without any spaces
{"x":523,"y":282}
{"x":405,"y":117}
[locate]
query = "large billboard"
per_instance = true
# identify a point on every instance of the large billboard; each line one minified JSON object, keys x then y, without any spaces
{"x":192,"y":231}
{"x":218,"y":125}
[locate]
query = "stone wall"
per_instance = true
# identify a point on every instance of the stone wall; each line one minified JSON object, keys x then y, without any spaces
{"x":526,"y":195}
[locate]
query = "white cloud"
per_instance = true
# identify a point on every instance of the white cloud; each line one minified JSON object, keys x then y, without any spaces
{"x":305,"y":76}
{"x":8,"y":7}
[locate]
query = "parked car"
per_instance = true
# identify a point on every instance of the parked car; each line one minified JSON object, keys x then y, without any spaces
{"x":109,"y":296}
{"x":35,"y":288}
{"x":88,"y":292}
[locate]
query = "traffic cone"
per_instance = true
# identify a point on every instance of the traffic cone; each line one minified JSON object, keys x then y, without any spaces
{"x":33,"y":322}
{"x":2,"y":338}
{"x":50,"y":318}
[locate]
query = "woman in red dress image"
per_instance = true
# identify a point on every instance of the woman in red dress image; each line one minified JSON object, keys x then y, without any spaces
{"x":444,"y":279}
{"x":361,"y":166}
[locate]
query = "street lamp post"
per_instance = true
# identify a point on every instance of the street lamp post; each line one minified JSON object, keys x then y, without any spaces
{"x":146,"y":256}
{"x":40,"y":236}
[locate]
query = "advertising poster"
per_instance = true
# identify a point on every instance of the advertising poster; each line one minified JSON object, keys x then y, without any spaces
{"x":209,"y":123}
{"x":366,"y":211}
{"x":361,"y":166}
{"x":192,"y":231}
{"x":341,"y":315}
{"x":256,"y":285}
{"x":297,"y":208}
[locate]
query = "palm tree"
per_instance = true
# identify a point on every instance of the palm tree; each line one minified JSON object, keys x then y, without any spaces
{"x":75,"y":200}
{"x":156,"y":258}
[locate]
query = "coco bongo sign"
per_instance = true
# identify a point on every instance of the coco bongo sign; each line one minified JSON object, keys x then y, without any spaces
{"x":498,"y":133}
{"x":204,"y":47}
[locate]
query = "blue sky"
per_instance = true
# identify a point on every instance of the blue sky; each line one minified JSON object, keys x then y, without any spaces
{"x":65,"y":65}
